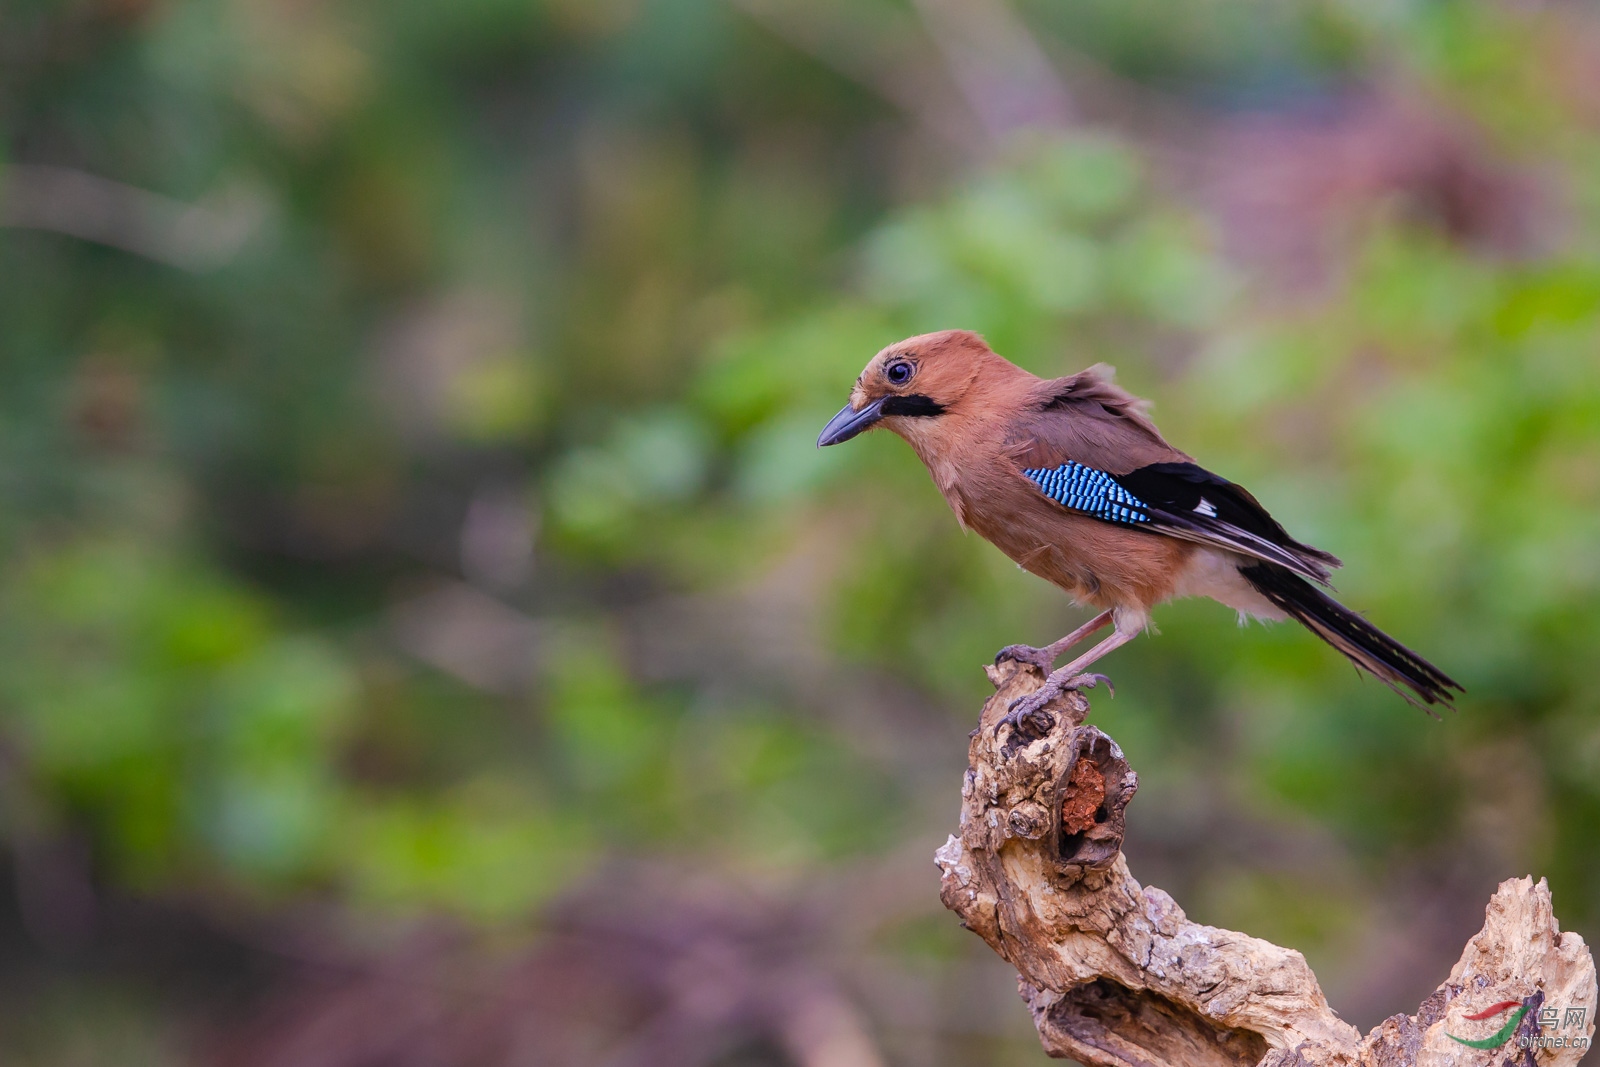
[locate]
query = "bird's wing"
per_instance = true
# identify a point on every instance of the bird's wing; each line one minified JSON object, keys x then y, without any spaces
{"x":1087,"y":445}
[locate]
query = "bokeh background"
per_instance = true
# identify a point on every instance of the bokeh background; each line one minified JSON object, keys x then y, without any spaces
{"x":429,"y":635}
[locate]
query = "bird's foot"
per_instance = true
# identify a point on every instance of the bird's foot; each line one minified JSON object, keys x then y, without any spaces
{"x":1042,"y":658}
{"x":1027,"y":716}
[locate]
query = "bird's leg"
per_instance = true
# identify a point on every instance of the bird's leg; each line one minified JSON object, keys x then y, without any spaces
{"x":1045,"y":658}
{"x":1030,"y":709}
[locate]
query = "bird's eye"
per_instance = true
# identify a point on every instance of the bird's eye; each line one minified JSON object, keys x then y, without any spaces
{"x":899,"y":372}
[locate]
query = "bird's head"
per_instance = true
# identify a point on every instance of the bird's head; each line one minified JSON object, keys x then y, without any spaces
{"x":921,"y":378}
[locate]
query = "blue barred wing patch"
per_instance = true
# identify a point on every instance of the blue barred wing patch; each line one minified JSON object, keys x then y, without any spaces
{"x":1085,"y":489}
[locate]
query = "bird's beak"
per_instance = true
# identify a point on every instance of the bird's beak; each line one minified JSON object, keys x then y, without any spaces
{"x":850,"y":422}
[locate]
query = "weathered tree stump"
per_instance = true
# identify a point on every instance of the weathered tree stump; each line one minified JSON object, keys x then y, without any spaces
{"x":1117,"y":976}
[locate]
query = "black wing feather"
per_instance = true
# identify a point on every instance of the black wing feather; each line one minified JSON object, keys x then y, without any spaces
{"x":1186,"y":500}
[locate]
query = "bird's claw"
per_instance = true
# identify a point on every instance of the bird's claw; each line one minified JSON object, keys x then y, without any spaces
{"x":1089,"y":681}
{"x":1038,"y":657}
{"x":1027,"y":716}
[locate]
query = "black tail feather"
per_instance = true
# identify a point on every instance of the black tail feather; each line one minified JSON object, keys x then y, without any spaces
{"x":1366,"y":646}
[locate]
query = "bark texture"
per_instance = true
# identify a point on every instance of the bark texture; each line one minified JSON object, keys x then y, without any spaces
{"x":1117,"y":976}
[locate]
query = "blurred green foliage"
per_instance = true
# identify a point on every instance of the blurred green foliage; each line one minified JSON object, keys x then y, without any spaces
{"x":608,"y":267}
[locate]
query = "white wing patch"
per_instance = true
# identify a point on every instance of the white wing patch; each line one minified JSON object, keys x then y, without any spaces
{"x":1206,"y":508}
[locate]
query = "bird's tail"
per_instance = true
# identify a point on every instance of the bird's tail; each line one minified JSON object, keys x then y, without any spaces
{"x":1366,"y":646}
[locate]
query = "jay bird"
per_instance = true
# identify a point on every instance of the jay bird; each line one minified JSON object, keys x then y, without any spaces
{"x":1070,"y":478}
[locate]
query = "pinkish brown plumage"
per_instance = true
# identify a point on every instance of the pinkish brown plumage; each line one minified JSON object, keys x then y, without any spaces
{"x":1071,"y":479}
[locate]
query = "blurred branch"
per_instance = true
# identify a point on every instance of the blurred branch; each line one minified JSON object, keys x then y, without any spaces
{"x":970,"y":71}
{"x":1117,"y":976}
{"x":995,"y":59}
{"x":199,"y":236}
{"x":890,"y":56}
{"x":470,"y":635}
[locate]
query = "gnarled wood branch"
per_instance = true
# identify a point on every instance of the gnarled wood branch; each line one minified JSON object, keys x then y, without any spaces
{"x":1117,"y":976}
